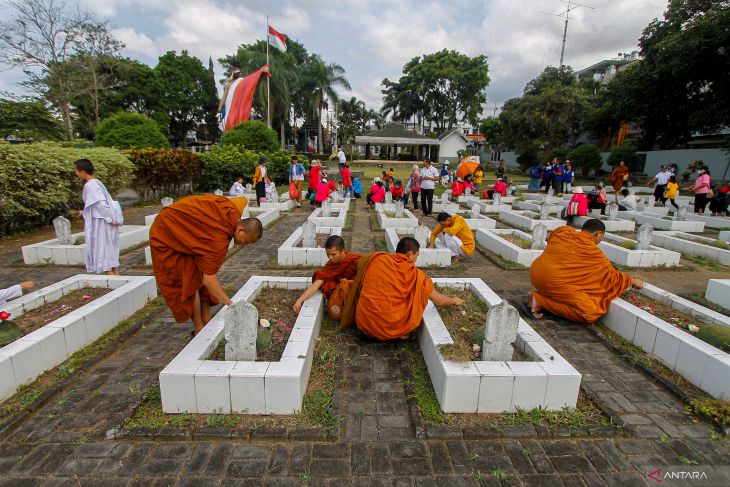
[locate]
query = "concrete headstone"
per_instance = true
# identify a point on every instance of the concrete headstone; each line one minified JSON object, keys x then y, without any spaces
{"x":550,"y":193}
{"x":249,"y":187}
{"x":496,"y":198}
{"x":422,"y":234}
{"x":309,"y":234}
{"x":612,"y":211}
{"x":326,"y":208}
{"x":643,"y":237}
{"x":166,"y":201}
{"x":475,"y":208}
{"x":681,"y":214}
{"x":63,"y":230}
{"x":467,"y":192}
{"x":650,"y":202}
{"x":500,"y":332}
{"x":241,"y":321}
{"x":544,"y":211}
{"x":388,"y":198}
{"x":218,"y":192}
{"x":445,"y":196}
{"x":539,"y":235}
{"x":398,"y":209}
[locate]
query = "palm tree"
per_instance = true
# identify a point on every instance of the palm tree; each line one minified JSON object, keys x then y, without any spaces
{"x":320,"y":81}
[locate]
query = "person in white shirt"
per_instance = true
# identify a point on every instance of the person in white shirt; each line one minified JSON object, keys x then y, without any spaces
{"x":661,"y":184}
{"x":237,"y":188}
{"x":629,"y":201}
{"x":341,"y":158}
{"x":428,"y":176}
{"x":14,"y":292}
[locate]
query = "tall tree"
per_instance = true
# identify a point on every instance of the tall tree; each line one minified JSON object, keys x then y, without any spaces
{"x":320,"y":81}
{"x":41,"y":37}
{"x":29,"y":120}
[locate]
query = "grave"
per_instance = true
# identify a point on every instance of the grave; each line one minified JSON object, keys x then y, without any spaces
{"x":23,"y":360}
{"x":493,"y":241}
{"x":724,"y":236}
{"x":527,"y":220}
{"x":692,"y":245}
{"x":493,"y":386}
{"x":192,"y":384}
{"x":409,"y":220}
{"x":52,"y":252}
{"x":240,"y":325}
{"x":617,"y":250}
{"x":296,"y":252}
{"x":477,"y":220}
{"x":718,"y":292}
{"x":62,"y":226}
{"x":539,"y":237}
{"x":717,"y":222}
{"x":611,"y":225}
{"x":426,"y":257}
{"x":500,"y":332}
{"x":699,"y":363}
{"x":659,"y":223}
{"x":329,"y":217}
{"x":149,"y":219}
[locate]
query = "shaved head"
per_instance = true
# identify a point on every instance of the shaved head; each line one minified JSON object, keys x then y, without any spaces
{"x":593,"y":225}
{"x":252,"y":226}
{"x":335,"y":242}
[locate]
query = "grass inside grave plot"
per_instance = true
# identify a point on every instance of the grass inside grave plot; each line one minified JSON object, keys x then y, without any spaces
{"x":318,"y":410}
{"x":42,"y":315}
{"x":521,"y":242}
{"x":274,"y":305}
{"x":462,"y":322}
{"x":712,"y":243}
{"x":715,"y":335}
{"x":627,"y":244}
{"x":585,"y":414}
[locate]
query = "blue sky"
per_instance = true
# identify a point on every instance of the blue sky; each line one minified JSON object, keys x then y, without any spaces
{"x":372,"y":39}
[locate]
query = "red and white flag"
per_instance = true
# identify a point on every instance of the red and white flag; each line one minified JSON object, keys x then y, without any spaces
{"x":276,"y":39}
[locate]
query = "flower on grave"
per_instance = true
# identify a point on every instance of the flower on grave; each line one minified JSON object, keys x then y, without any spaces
{"x":693,"y":328}
{"x":476,"y":348}
{"x":264,"y":323}
{"x":4,"y":315}
{"x":85,"y":297}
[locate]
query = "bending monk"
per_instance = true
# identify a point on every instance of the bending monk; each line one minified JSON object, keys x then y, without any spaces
{"x":189,"y":241}
{"x":341,"y":265}
{"x":389,"y":294}
{"x":453,"y":233}
{"x":573,"y":277}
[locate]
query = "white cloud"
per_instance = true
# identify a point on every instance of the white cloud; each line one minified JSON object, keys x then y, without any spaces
{"x":135,"y":42}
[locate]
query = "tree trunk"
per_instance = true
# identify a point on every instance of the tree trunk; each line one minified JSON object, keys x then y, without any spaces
{"x":282,"y":134}
{"x":320,"y":145}
{"x":95,"y":91}
{"x":65,"y":111}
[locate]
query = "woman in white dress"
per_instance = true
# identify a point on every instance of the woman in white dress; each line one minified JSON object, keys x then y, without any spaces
{"x":102,"y":219}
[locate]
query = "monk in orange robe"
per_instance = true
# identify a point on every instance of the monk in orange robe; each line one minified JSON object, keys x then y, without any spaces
{"x":189,"y":241}
{"x":619,"y":175}
{"x":389,"y":294}
{"x":573,"y":277}
{"x":341,"y":264}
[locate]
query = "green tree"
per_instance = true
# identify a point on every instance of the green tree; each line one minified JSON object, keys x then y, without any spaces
{"x":185,"y":92}
{"x":492,"y":131}
{"x":320,"y":81}
{"x":627,"y":153}
{"x":252,"y":135}
{"x":586,"y":157}
{"x":129,"y":130}
{"x":29,"y":120}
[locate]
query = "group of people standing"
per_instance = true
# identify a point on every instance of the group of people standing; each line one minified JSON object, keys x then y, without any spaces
{"x":554,"y":174}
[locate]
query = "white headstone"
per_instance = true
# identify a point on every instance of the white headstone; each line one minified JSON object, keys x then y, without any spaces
{"x":445,"y":196}
{"x":544,"y":211}
{"x":681,"y":214}
{"x":422,"y":235}
{"x":218,"y":192}
{"x":326,"y":208}
{"x":241,"y":321}
{"x":496,"y":198}
{"x":388,"y":198}
{"x":651,"y":201}
{"x":399,"y":209}
{"x":166,"y":201}
{"x":467,"y":192}
{"x":612,"y":211}
{"x":63,"y":230}
{"x":249,"y":187}
{"x":643,"y":237}
{"x":539,"y":235}
{"x":550,"y":192}
{"x":271,"y":197}
{"x":475,"y":208}
{"x":500,"y":332}
{"x":309,"y":234}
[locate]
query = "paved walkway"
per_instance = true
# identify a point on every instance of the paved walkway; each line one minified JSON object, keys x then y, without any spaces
{"x":63,"y":443}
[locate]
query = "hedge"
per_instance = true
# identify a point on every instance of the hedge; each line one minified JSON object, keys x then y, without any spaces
{"x":37,"y":182}
{"x":158,"y":171}
{"x":252,"y":135}
{"x":221,"y":166}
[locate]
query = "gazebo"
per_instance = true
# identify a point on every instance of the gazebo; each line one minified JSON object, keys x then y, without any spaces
{"x":394,"y":135}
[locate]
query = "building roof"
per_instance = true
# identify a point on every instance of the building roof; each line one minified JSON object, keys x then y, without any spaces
{"x":394,"y":134}
{"x":602,"y":65}
{"x":448,"y":134}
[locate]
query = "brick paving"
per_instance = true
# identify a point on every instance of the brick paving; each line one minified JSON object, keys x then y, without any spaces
{"x":64,"y":442}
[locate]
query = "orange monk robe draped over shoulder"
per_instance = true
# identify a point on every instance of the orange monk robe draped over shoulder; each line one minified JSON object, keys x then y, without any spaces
{"x":392,"y":298}
{"x":573,"y":277}
{"x":188,"y":239}
{"x":617,"y":177}
{"x":332,"y":273}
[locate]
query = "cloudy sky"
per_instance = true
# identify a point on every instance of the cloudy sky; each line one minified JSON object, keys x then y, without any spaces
{"x":373,"y":39}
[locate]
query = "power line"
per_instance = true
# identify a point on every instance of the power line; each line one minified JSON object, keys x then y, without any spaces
{"x":571,"y":5}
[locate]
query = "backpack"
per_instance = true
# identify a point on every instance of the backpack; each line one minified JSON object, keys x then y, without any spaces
{"x":338,"y":298}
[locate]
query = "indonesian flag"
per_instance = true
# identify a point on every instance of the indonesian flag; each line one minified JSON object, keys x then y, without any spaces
{"x":240,"y":98}
{"x":276,"y":39}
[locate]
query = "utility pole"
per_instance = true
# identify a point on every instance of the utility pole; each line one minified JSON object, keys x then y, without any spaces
{"x":571,"y":6}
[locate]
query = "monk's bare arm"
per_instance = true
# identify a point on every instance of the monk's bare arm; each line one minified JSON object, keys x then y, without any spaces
{"x":442,"y":300}
{"x":308,"y":293}
{"x":214,"y":287}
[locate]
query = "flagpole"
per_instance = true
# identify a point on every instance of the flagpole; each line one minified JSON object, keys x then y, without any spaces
{"x":268,"y":85}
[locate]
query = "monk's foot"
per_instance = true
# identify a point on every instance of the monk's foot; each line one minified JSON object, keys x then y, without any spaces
{"x":534,"y":307}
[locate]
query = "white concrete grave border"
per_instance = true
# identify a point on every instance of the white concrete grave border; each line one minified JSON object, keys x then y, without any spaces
{"x":718,"y":292}
{"x":724,"y":236}
{"x":409,"y":220}
{"x":654,"y":257}
{"x":426,"y":257}
{"x":549,"y":381}
{"x":659,"y":223}
{"x":192,"y":384}
{"x":700,"y":363}
{"x":717,"y":222}
{"x":329,"y":221}
{"x":492,"y":241}
{"x":521,"y":219}
{"x":23,"y":360}
{"x":290,"y":253}
{"x":697,"y":247}
{"x":50,"y":252}
{"x":617,"y":225}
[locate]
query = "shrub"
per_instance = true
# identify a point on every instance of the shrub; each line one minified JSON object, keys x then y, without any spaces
{"x":586,"y":157}
{"x":126,"y":130}
{"x":159,"y":171}
{"x":37,"y":182}
{"x":626,"y":153}
{"x":406,"y":156}
{"x":220,"y":167}
{"x":559,"y":152}
{"x":252,"y":135}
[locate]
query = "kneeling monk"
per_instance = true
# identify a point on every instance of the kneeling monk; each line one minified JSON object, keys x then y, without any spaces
{"x":389,"y":294}
{"x":340,"y":265}
{"x":189,"y":241}
{"x":573,"y":277}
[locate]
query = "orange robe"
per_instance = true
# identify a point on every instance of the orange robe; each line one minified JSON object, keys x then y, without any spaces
{"x":392,"y":296}
{"x":331,"y":273}
{"x":188,"y":239}
{"x":617,"y":177}
{"x":574,"y":279}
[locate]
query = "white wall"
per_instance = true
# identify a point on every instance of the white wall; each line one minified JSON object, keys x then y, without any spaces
{"x":449,"y":147}
{"x":715,"y":159}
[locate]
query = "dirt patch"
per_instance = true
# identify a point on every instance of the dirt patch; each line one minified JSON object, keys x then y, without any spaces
{"x":521,"y":242}
{"x":274,"y":305}
{"x":41,"y":316}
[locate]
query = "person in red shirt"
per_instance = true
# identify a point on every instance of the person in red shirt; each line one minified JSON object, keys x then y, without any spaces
{"x":468,"y":183}
{"x":314,"y":177}
{"x":322,"y":193}
{"x":397,"y":190}
{"x":457,"y":188}
{"x":377,"y":193}
{"x":578,"y":205}
{"x":347,"y":180}
{"x":499,"y":187}
{"x":332,"y":186}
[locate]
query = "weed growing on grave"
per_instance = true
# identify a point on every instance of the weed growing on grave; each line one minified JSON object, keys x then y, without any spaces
{"x":348,"y":222}
{"x":480,"y":477}
{"x":374,"y":225}
{"x":215,"y":420}
{"x":686,"y":461}
{"x":499,"y":473}
{"x":719,"y":411}
{"x":380,"y":245}
{"x":712,"y":265}
{"x":81,"y":441}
